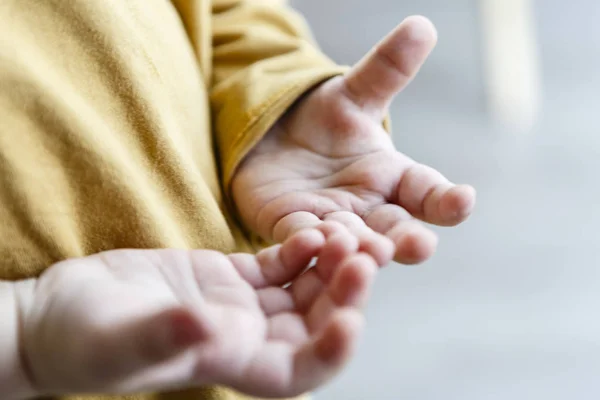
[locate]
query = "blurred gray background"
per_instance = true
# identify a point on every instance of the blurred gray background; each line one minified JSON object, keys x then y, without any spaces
{"x":508,"y":307}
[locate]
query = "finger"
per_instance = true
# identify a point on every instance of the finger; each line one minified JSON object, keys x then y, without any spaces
{"x":338,"y":247}
{"x":429,"y":196}
{"x":349,"y":287}
{"x":331,"y":228}
{"x":275,"y":300}
{"x":351,"y":282}
{"x":132,"y":346}
{"x":414,"y":242}
{"x":305,"y":289}
{"x":279,"y":264}
{"x":296,"y":370}
{"x":340,"y":244}
{"x":168,"y":333}
{"x":391,"y":65}
{"x":320,"y":360}
{"x":301,"y":294}
{"x":376,"y":245}
{"x":333,"y":340}
{"x":293,"y":223}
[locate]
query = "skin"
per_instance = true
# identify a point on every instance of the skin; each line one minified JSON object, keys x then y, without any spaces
{"x":330,"y":159}
{"x":163,"y":319}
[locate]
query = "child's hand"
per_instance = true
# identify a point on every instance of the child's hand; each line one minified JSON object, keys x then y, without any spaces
{"x":145,"y":320}
{"x":330,"y":159}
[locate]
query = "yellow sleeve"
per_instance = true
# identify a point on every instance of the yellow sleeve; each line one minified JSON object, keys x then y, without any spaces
{"x":264,"y":58}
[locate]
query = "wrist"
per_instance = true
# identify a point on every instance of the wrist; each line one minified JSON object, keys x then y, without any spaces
{"x":15,"y":382}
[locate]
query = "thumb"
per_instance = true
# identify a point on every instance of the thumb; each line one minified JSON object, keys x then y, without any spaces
{"x":129,"y":347}
{"x":390,"y":66}
{"x":161,"y":336}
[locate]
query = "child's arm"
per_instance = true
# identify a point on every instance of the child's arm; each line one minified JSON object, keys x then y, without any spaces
{"x":14,"y":383}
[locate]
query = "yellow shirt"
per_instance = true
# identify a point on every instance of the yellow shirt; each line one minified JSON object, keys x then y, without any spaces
{"x":122,"y":120}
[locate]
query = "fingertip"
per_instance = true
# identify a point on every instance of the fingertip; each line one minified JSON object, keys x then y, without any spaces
{"x":337,"y":247}
{"x":169,"y":333}
{"x":302,"y":246}
{"x":346,"y":240}
{"x":389,"y":249}
{"x":186,"y":329}
{"x":469,"y":196}
{"x":414,"y":245}
{"x":331,"y":228}
{"x":362,"y":262}
{"x":380,"y":247}
{"x":292,"y":223}
{"x":350,"y":287}
{"x":420,"y":28}
{"x":457,"y":204}
{"x":339,"y":338}
{"x":307,"y":238}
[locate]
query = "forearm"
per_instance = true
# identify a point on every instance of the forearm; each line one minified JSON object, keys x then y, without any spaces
{"x":14,"y":383}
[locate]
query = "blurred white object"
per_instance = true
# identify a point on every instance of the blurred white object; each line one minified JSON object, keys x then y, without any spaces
{"x":511,"y":57}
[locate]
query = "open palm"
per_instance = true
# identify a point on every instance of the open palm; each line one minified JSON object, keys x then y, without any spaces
{"x":130,"y":320}
{"x":330,"y":158}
